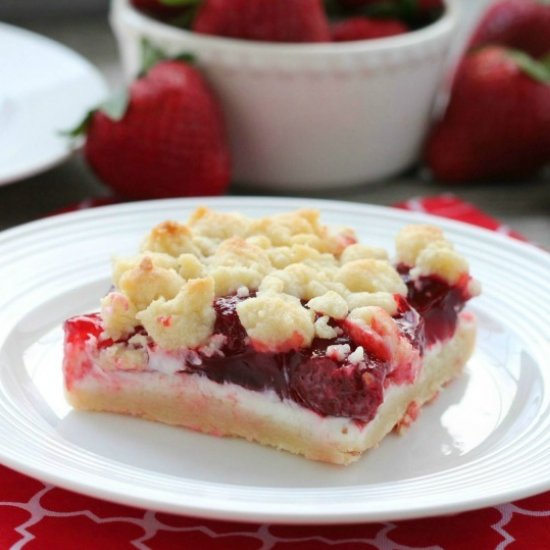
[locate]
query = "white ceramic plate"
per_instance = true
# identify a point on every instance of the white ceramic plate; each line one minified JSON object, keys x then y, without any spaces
{"x":484,"y":441}
{"x":45,"y":88}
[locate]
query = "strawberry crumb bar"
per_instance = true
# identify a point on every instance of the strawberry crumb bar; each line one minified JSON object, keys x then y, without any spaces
{"x":278,"y":330}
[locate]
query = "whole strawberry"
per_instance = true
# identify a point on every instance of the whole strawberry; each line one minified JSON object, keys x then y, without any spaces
{"x":169,"y":142}
{"x":365,"y":28}
{"x":521,"y":24}
{"x":497,"y":124}
{"x":264,"y":20}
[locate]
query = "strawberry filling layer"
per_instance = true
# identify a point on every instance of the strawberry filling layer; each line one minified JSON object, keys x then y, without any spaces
{"x":318,"y":377}
{"x":437,"y":302}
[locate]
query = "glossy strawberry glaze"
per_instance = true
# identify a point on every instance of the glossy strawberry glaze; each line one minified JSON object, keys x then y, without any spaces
{"x":437,"y":302}
{"x":305,"y":375}
{"x":308,"y":376}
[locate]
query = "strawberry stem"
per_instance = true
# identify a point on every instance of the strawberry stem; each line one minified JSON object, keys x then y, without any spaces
{"x":185,"y":20}
{"x":151,"y":55}
{"x":80,"y":129}
{"x":537,"y":69}
{"x":114,"y":107}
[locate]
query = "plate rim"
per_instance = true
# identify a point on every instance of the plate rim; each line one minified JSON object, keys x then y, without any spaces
{"x":230,"y":513}
{"x":305,"y":202}
{"x":93,"y":73}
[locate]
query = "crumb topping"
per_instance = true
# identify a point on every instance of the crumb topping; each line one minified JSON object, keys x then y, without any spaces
{"x":147,"y":282}
{"x":384,"y":300}
{"x":276,"y":322}
{"x":439,"y":258}
{"x":371,"y":275}
{"x":186,"y":321}
{"x":324,"y":330}
{"x":357,"y":356}
{"x":119,"y":315}
{"x":412,"y":239}
{"x":338,"y":352}
{"x":170,"y":238}
{"x":331,"y":304}
{"x":362,"y":252}
{"x":293,"y":274}
{"x":428,"y":252}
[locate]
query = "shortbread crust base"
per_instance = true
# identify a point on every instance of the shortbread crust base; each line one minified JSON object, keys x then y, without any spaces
{"x":195,"y":402}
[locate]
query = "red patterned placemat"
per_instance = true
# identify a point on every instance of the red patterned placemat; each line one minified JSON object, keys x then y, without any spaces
{"x":37,"y":516}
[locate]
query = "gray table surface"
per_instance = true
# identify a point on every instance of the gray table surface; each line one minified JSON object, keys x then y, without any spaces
{"x":524,"y":206}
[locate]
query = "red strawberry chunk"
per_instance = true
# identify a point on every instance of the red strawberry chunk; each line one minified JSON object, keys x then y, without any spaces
{"x":264,"y":20}
{"x":338,"y":390}
{"x":364,"y":28}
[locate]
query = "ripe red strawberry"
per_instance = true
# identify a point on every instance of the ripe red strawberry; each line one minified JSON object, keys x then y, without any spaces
{"x":364,"y":28}
{"x":521,"y":24}
{"x":265,"y":20}
{"x":497,"y":124}
{"x":169,"y":142}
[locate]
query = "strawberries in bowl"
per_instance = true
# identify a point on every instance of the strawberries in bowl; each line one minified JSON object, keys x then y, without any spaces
{"x":295,"y":21}
{"x":308,"y":115}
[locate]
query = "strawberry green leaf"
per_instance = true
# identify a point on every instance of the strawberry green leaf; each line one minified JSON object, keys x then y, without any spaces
{"x":537,"y":69}
{"x":407,"y":10}
{"x":184,"y":20}
{"x":396,"y":10}
{"x":188,"y":13}
{"x":116,"y":106}
{"x":80,"y":129}
{"x":333,"y":8}
{"x":151,"y":55}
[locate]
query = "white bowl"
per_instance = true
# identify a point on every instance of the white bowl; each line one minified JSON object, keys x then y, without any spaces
{"x":310,"y":116}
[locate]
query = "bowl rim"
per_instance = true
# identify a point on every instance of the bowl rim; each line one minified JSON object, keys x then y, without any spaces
{"x":419,"y":37}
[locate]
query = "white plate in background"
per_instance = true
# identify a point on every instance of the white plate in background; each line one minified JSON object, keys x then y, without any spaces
{"x":45,"y":88}
{"x":486,"y":440}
